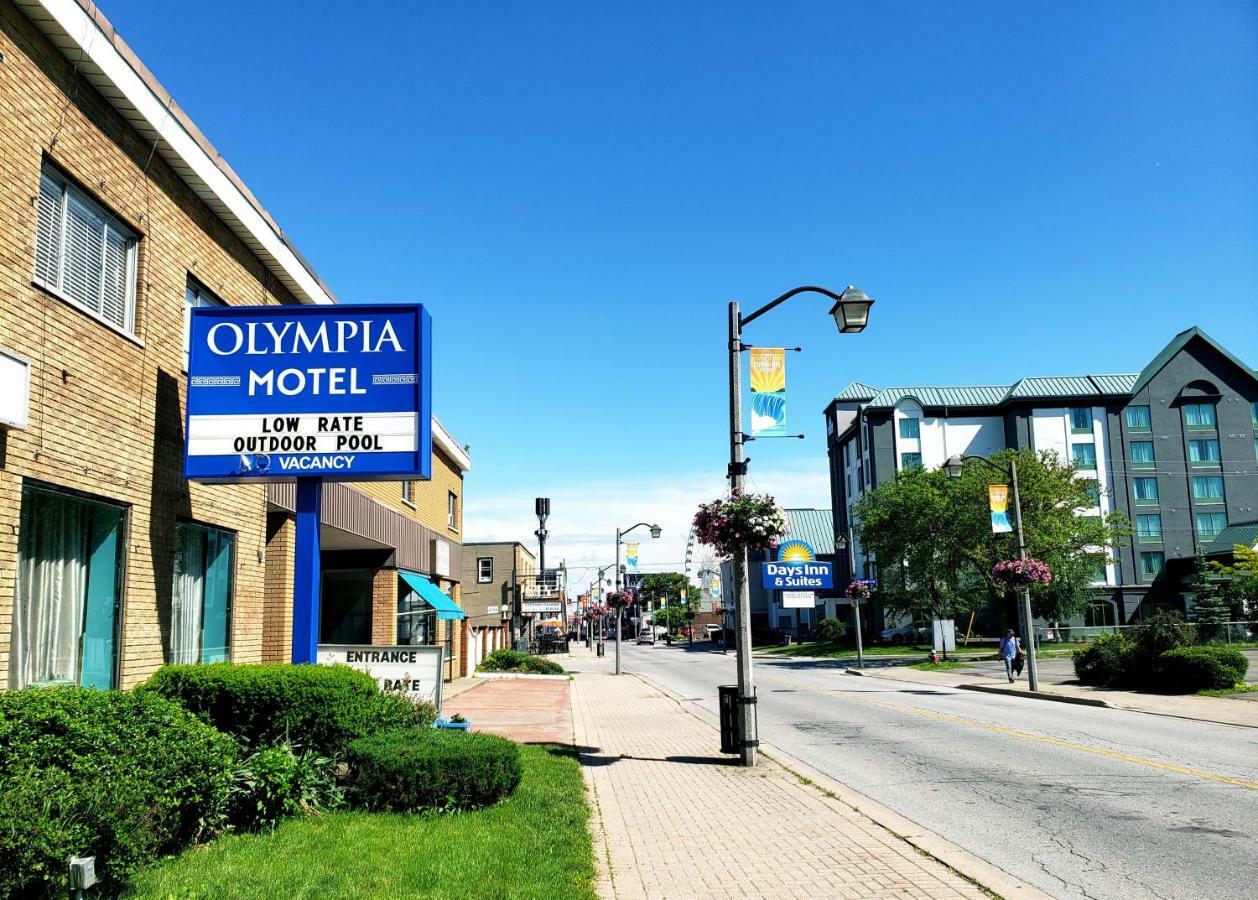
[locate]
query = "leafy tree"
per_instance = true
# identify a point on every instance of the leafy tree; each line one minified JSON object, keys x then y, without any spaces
{"x":1239,"y":584}
{"x":666,"y":587}
{"x":911,"y":527}
{"x":1052,"y":496}
{"x":672,"y":617}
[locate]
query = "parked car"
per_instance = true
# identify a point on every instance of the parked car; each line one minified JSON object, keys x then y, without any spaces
{"x":912,"y":633}
{"x":646,"y":636}
{"x":713,"y":632}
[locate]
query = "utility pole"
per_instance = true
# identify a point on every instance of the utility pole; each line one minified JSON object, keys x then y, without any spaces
{"x":742,"y":602}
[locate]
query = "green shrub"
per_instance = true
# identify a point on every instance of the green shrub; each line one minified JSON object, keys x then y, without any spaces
{"x":276,"y":782}
{"x":412,"y":769}
{"x":1152,"y":637}
{"x":1104,"y":662}
{"x":322,"y":708}
{"x":831,"y":630}
{"x":518,"y":661}
{"x":1186,"y":670}
{"x":122,"y":776}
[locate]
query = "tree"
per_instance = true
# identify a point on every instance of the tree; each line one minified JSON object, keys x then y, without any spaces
{"x":911,"y":527}
{"x":1239,"y":584}
{"x":672,"y":617}
{"x":1210,"y":609}
{"x":666,"y":587}
{"x":1056,"y":530}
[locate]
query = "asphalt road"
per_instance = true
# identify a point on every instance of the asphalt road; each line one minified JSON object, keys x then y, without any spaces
{"x":1079,"y":801}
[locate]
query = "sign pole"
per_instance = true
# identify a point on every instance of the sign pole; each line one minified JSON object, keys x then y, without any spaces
{"x":860,"y":650}
{"x":306,"y":570}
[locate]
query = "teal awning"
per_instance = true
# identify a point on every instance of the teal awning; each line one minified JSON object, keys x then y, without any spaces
{"x":433,"y":595}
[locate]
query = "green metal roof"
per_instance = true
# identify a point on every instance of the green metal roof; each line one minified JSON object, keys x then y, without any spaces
{"x":815,"y":526}
{"x":1114,"y":385}
{"x":1072,"y":386}
{"x":1245,"y":533}
{"x":975,"y":395}
{"x":857,"y":391}
{"x":1177,"y":344}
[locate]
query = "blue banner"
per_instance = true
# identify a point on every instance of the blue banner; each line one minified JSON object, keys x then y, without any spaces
{"x":276,"y":393}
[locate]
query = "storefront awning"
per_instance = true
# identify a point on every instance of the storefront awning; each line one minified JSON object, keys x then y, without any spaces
{"x":433,"y":595}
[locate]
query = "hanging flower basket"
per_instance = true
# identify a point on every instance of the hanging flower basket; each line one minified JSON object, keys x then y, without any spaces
{"x":619,"y":599}
{"x":857,"y":590}
{"x":745,"y":521}
{"x":1014,"y":573}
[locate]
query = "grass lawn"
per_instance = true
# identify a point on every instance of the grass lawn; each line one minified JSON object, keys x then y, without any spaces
{"x":1243,"y":689}
{"x":929,"y":666}
{"x":532,"y":845}
{"x":842,"y":651}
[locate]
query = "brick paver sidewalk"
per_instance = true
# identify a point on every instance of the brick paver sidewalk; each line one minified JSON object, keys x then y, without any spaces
{"x":530,"y":711}
{"x":673,"y":818}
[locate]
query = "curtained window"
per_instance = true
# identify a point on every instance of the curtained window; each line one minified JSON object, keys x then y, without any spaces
{"x":69,"y":560}
{"x":200,"y":602}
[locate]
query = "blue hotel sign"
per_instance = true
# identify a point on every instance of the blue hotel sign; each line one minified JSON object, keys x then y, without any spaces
{"x":278,"y":393}
{"x":796,"y":569}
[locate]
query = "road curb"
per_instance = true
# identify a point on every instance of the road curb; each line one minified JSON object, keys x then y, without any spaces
{"x":960,"y":860}
{"x":1043,"y":695}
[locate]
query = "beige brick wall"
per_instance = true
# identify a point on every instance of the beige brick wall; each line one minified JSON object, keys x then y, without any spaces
{"x":429,"y":499}
{"x":106,"y":410}
{"x":277,"y":617}
{"x":384,"y":589}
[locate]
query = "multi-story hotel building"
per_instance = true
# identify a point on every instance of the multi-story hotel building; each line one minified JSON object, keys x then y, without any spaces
{"x":119,"y":216}
{"x":1174,"y":447}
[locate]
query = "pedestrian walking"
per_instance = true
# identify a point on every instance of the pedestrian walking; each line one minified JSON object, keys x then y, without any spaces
{"x":1011,"y":654}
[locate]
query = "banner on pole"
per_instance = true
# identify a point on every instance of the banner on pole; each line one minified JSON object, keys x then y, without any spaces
{"x":631,"y":556}
{"x":768,"y":391}
{"x":998,"y":501}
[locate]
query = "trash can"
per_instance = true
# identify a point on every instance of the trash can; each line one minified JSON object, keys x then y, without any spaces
{"x":728,"y":696}
{"x":601,"y":647}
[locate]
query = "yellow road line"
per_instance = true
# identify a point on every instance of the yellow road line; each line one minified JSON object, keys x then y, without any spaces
{"x":1000,"y":729}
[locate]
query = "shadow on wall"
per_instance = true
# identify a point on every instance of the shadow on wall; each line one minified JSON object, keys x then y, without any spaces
{"x":171,"y":499}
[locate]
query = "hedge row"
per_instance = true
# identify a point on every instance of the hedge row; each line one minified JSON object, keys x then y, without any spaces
{"x":319,"y":708}
{"x":518,"y":661}
{"x":1159,"y":655}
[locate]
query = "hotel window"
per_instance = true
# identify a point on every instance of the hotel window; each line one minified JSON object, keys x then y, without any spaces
{"x":1081,"y":420}
{"x":452,"y":510}
{"x":200,"y":598}
{"x":1094,"y":493}
{"x":1151,"y":563}
{"x":82,"y":254}
{"x":194,"y":295}
{"x":1210,"y":523}
{"x":910,"y":429}
{"x":1149,"y":527}
{"x":1098,"y":572}
{"x":416,"y":620}
{"x":1138,"y":418}
{"x":1142,"y":454}
{"x":485,"y":569}
{"x":1203,"y":452}
{"x":1084,"y":455}
{"x":68,"y":589}
{"x":910,"y":460}
{"x":1207,"y":488}
{"x":1253,"y":415}
{"x":1146,"y":491}
{"x":1199,"y":415}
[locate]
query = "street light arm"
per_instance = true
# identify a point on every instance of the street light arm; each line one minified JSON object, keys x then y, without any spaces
{"x":743,"y":321}
{"x":987,"y":462}
{"x":624,"y":531}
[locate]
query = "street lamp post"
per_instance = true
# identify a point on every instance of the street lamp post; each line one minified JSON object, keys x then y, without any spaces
{"x":954,"y":467}
{"x":851,"y":314}
{"x":621,"y":532}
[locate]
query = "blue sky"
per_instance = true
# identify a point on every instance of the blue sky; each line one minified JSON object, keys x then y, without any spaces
{"x":576,"y":190}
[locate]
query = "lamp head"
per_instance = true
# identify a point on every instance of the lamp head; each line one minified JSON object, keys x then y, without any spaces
{"x":840,"y":542}
{"x":851,"y":310}
{"x":656,"y":531}
{"x":954,"y":466}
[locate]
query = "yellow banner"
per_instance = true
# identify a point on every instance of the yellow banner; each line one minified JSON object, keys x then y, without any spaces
{"x":998,"y":502}
{"x":768,"y":369}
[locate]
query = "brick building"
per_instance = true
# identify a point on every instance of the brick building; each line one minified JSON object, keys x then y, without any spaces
{"x":118,"y":217}
{"x":494,"y":575}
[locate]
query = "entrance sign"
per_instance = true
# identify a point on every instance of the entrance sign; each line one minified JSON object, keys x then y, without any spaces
{"x":400,"y":669}
{"x":798,"y":599}
{"x":277,"y":393}
{"x":796,"y":569}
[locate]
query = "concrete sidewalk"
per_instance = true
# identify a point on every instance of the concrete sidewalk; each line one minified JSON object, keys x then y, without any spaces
{"x":673,"y":818}
{"x":1222,"y":710}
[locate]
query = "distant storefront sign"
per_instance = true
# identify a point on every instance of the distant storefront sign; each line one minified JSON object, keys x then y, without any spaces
{"x":796,"y":569}
{"x":278,"y":393}
{"x":798,"y":599}
{"x":402,"y":669}
{"x":541,"y":606}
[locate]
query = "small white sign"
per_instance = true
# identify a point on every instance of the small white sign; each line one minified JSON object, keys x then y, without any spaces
{"x":944,"y":634}
{"x":397,"y":668}
{"x":541,"y":606}
{"x":441,"y":558}
{"x":491,"y":610}
{"x":15,"y":390}
{"x":799,"y":599}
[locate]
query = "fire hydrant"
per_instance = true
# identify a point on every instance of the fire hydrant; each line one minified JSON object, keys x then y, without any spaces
{"x":934,"y":657}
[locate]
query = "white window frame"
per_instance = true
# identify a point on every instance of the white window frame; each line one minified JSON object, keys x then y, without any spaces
{"x":195,"y":295}
{"x":130,"y":238}
{"x":452,"y":510}
{"x":408,"y":492}
{"x":483,"y":577}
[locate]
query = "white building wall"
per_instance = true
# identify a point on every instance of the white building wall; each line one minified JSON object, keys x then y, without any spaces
{"x":960,"y":436}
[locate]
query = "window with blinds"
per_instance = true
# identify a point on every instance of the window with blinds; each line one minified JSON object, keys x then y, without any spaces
{"x":83,"y":254}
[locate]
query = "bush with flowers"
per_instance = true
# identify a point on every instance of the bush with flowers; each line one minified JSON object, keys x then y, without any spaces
{"x":1015,"y":573}
{"x":619,"y":599}
{"x":751,"y":521}
{"x":857,"y":590}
